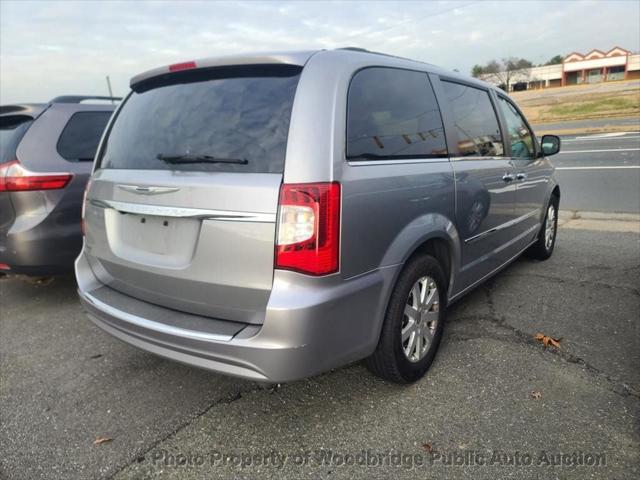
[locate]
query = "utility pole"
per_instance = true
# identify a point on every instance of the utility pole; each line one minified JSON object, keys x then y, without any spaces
{"x":110,"y":91}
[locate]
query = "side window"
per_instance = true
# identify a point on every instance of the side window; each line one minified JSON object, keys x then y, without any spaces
{"x":80,"y":137}
{"x":520,"y":135}
{"x":475,"y":121}
{"x":393,"y":113}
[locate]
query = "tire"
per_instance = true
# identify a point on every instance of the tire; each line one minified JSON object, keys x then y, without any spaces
{"x":542,"y":250}
{"x":389,"y":361}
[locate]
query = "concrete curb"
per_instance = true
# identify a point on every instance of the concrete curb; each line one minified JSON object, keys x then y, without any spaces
{"x":576,"y":214}
{"x":599,"y":221}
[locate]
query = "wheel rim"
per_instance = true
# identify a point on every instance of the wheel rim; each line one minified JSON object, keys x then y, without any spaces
{"x":550,"y":230}
{"x":420,"y":319}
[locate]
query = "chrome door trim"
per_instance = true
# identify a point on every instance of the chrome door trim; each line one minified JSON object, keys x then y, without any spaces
{"x":151,"y":325}
{"x":184,"y":212}
{"x":508,"y":224}
{"x":494,"y":271}
{"x":471,"y":158}
{"x":368,"y":163}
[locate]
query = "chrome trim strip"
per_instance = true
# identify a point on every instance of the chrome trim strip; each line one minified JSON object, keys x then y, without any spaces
{"x":368,"y":163}
{"x":490,"y":274}
{"x":471,"y":158}
{"x":508,"y":224}
{"x":151,"y":325}
{"x":183,"y":212}
{"x":147,"y":190}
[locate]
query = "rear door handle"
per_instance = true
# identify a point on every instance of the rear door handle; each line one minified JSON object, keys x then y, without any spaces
{"x":508,"y":177}
{"x":521,"y":176}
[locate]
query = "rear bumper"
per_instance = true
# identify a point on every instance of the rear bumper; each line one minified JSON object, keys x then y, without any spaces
{"x":311,"y":325}
{"x":46,"y":249}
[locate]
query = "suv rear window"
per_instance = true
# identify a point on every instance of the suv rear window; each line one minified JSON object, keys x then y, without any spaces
{"x":12,"y":129}
{"x":229,"y":113}
{"x":393,"y":114}
{"x":80,"y":137}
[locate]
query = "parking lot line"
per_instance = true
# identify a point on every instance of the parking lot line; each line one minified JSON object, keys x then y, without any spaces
{"x":612,"y":167}
{"x":601,"y":151}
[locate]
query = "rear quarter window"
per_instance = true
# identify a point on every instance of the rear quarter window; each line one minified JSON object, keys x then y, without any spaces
{"x":393,"y":114}
{"x":79,"y":140}
{"x":12,"y":129}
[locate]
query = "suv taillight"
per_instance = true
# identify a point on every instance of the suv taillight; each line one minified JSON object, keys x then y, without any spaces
{"x":309,"y":228}
{"x":15,"y":178}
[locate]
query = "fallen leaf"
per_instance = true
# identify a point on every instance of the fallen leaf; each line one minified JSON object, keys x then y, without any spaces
{"x":536,"y":394}
{"x":101,"y":440}
{"x":427,"y":447}
{"x":547,"y":340}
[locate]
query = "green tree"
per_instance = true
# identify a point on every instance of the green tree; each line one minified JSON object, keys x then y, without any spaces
{"x":555,"y":60}
{"x":477,"y":70}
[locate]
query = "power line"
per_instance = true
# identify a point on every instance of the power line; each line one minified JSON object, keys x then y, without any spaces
{"x":410,"y":20}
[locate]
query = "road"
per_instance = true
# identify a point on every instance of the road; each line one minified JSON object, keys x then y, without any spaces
{"x":64,"y":382}
{"x":600,"y":173}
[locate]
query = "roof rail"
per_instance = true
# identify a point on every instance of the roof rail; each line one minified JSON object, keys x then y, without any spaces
{"x":373,"y":52}
{"x":356,"y":49}
{"x":81,"y":98}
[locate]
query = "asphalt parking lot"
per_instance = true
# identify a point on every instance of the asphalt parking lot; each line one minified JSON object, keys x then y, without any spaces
{"x":64,"y":383}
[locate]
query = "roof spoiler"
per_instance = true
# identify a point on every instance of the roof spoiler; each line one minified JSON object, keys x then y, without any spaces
{"x":286,"y":58}
{"x":82,"y":98}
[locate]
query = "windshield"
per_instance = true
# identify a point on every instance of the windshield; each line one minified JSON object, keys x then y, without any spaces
{"x":227,"y":113}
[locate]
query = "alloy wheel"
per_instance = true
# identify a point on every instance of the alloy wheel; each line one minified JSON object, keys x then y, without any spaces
{"x":420,"y":319}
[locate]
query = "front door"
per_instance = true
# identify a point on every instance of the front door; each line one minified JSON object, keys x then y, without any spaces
{"x":532,"y":173}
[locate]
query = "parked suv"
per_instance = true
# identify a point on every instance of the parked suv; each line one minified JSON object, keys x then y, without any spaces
{"x":46,"y":154}
{"x":275,"y":216}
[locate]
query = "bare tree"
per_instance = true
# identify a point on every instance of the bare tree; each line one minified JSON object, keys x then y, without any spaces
{"x":502,"y":72}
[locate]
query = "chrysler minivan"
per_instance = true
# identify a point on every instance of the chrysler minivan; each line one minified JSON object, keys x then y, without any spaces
{"x":273,"y":216}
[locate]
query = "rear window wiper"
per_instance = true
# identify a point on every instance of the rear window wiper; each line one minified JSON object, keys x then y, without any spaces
{"x":196,"y":158}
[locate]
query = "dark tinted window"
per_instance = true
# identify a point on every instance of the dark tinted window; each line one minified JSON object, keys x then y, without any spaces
{"x":12,"y":129}
{"x":80,"y":137}
{"x":393,"y":113}
{"x":520,"y":135}
{"x":475,"y":121}
{"x":231,"y":113}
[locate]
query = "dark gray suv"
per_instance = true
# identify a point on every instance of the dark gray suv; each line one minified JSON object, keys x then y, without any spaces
{"x":46,"y":154}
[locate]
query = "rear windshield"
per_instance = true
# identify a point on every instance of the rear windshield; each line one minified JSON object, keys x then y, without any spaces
{"x":236,"y":115}
{"x":12,"y":129}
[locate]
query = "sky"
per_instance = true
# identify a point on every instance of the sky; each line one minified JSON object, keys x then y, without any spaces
{"x":50,"y":48}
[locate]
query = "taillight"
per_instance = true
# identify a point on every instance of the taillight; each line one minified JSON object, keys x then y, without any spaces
{"x":84,"y":207}
{"x":309,"y":228}
{"x":15,"y":178}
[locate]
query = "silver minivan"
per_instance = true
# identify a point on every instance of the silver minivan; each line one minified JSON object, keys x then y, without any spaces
{"x":273,"y":216}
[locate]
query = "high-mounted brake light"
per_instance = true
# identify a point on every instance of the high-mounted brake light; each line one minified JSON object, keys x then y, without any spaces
{"x":176,"y":67}
{"x":309,"y":228}
{"x":15,"y":178}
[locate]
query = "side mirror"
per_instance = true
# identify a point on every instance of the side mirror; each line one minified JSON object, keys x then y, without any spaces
{"x":550,"y":145}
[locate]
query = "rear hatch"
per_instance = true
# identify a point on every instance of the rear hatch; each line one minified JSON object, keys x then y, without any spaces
{"x":182,"y":205}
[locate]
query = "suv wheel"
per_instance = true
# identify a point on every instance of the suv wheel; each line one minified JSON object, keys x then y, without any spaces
{"x":546,"y":241}
{"x":413,"y":323}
